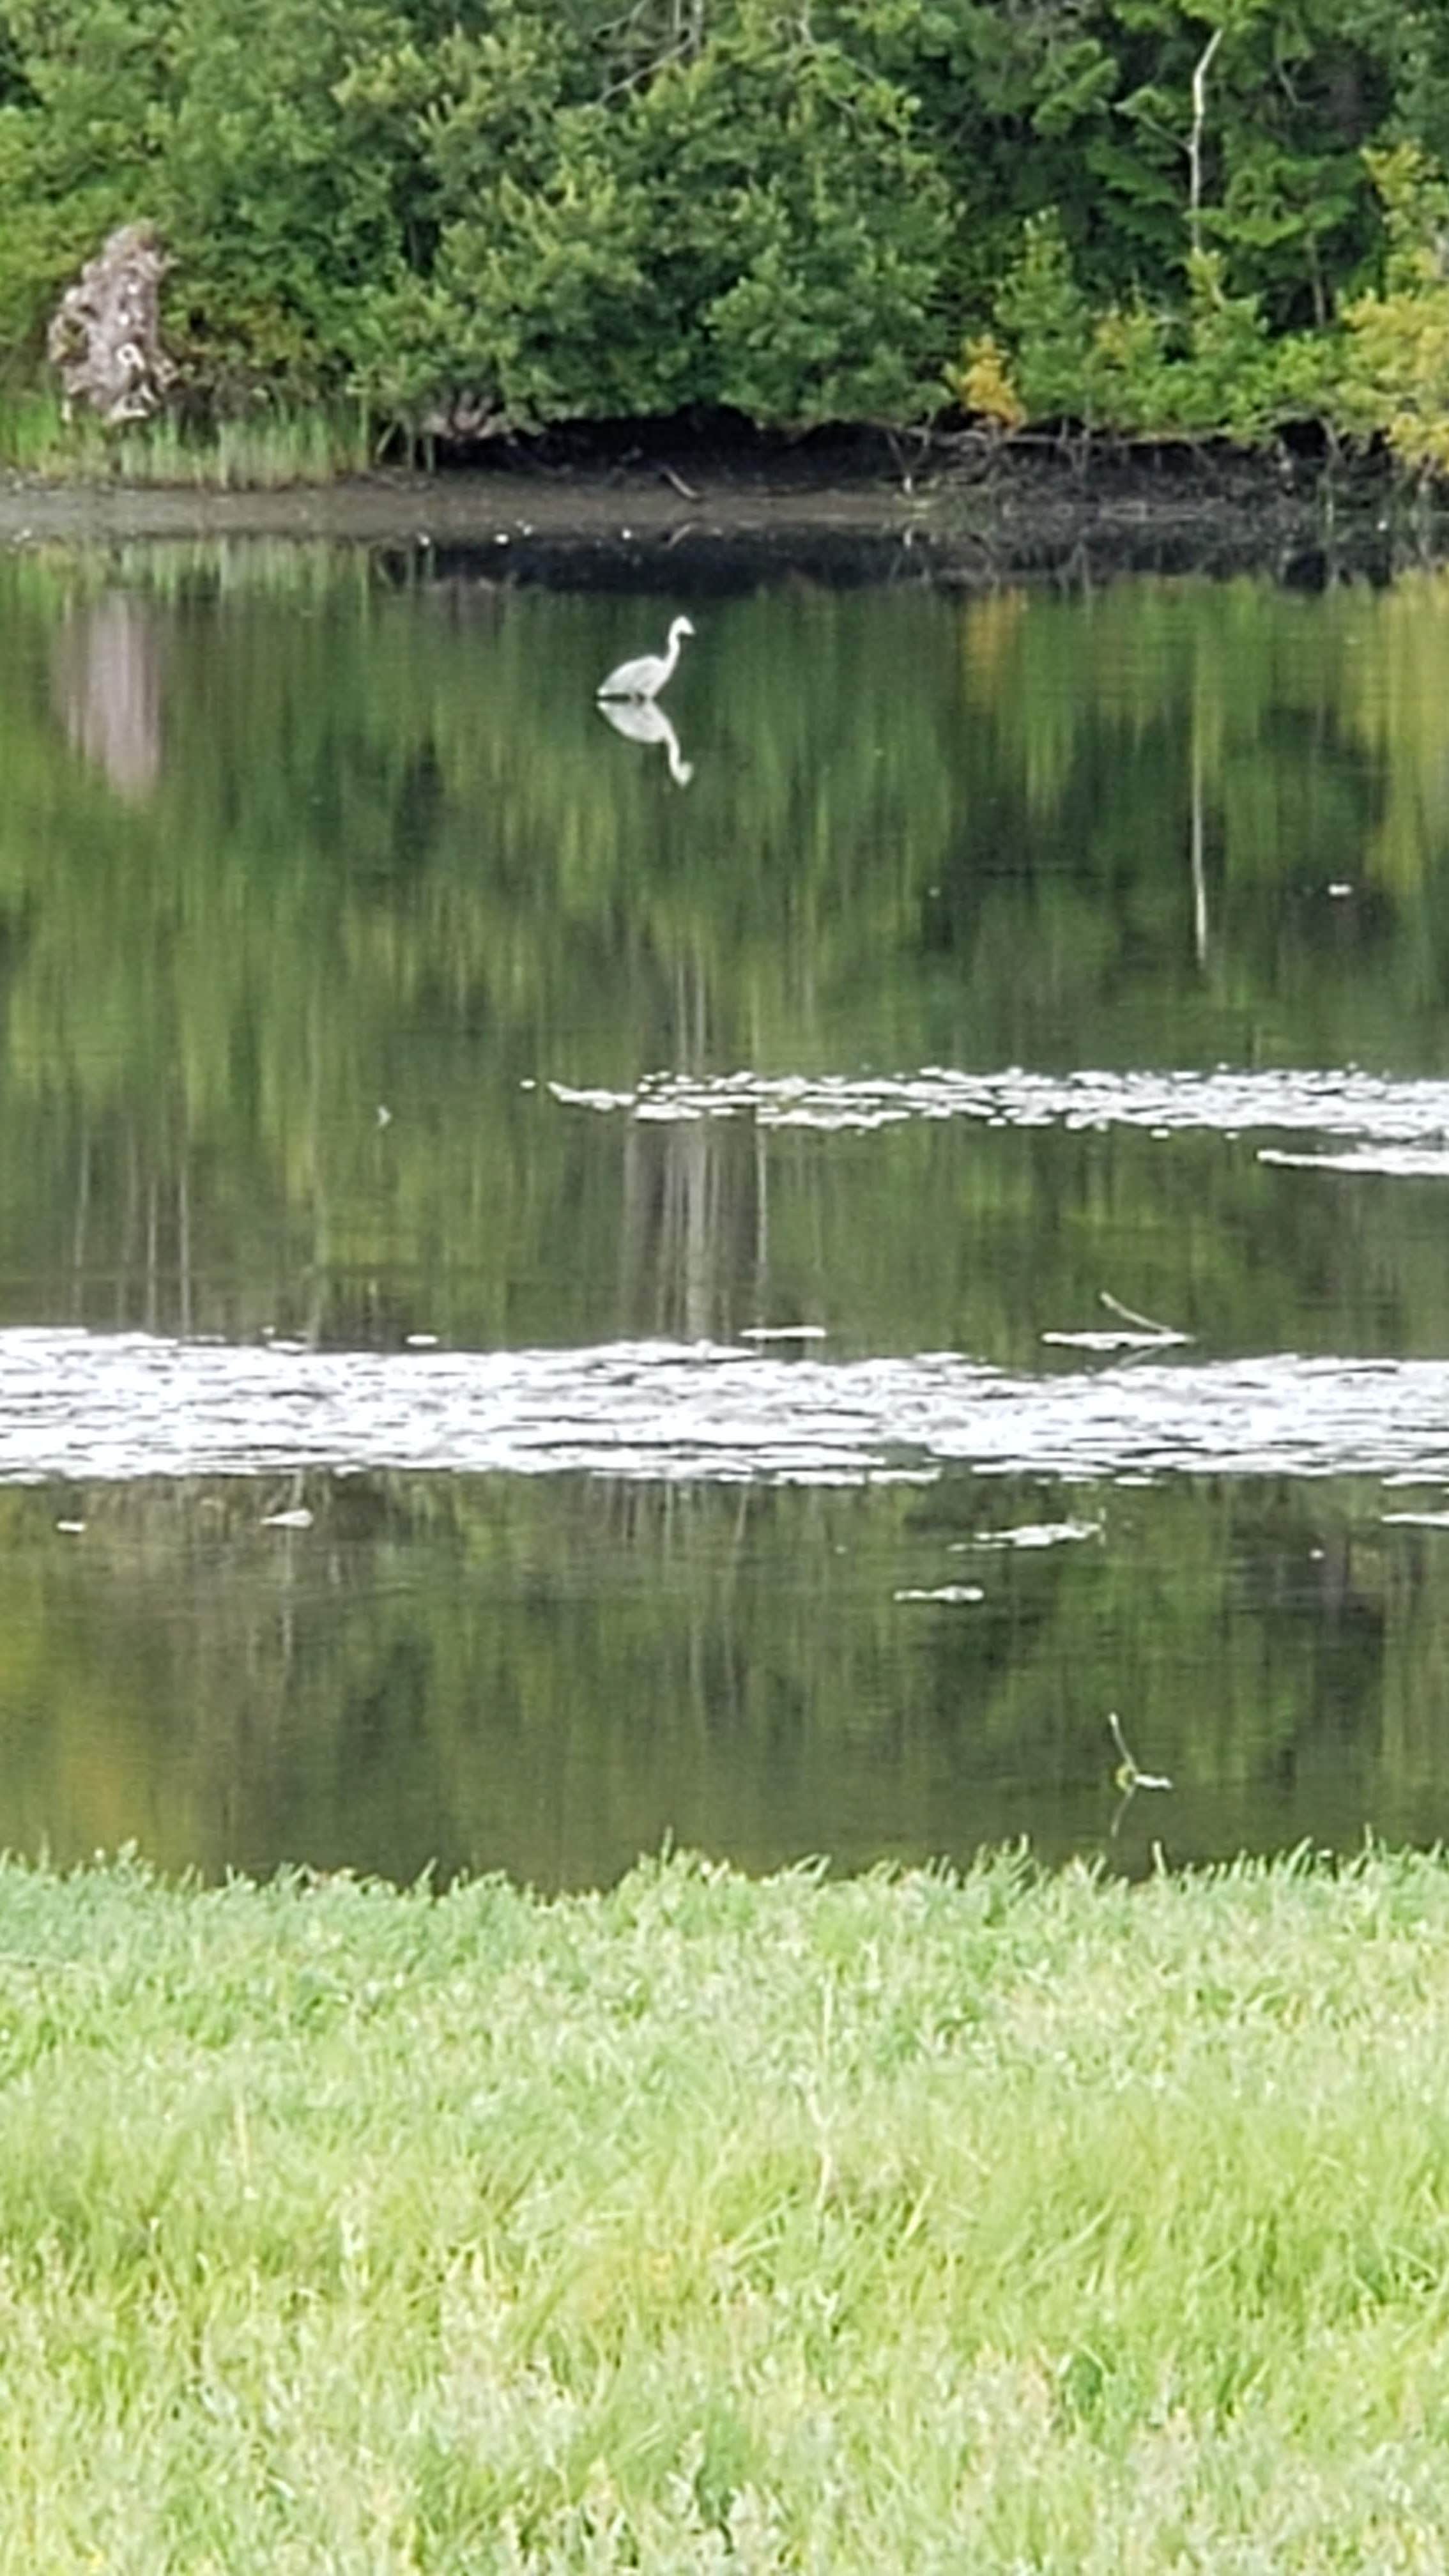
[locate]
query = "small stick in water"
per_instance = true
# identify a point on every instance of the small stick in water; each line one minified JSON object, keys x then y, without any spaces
{"x":1127,"y":1775}
{"x":1146,"y":1323}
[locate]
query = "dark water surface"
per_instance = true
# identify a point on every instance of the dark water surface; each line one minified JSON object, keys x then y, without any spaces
{"x":552,"y":1281}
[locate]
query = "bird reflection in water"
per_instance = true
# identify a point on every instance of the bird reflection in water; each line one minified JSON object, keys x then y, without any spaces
{"x":644,"y":720}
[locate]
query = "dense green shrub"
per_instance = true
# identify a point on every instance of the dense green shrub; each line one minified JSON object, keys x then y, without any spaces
{"x":1169,"y":215}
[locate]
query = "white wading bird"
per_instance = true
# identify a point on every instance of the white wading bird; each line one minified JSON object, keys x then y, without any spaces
{"x":645,"y":677}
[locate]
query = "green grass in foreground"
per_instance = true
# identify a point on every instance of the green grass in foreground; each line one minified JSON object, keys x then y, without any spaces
{"x":274,"y":451}
{"x":1008,"y":2223}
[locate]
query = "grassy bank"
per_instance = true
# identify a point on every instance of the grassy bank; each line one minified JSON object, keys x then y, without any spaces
{"x":278,"y":451}
{"x":1002,"y":2224}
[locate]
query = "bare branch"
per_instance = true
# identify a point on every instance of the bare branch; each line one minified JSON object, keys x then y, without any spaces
{"x":1194,"y":141}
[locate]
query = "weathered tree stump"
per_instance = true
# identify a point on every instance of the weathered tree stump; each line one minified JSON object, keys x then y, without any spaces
{"x":464,"y":418}
{"x":105,"y":338}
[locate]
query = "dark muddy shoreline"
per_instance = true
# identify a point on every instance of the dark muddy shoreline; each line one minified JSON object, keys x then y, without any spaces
{"x":853,"y":504}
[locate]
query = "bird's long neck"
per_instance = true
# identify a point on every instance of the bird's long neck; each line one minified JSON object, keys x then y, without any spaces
{"x":676,"y":638}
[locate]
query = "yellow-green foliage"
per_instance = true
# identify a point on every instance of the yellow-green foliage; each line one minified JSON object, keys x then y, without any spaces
{"x":981,"y":382}
{"x":996,"y":2224}
{"x":1044,"y":314}
{"x":1125,"y":374}
{"x":1396,"y":375}
{"x":1140,"y":370}
{"x":1396,"y":366}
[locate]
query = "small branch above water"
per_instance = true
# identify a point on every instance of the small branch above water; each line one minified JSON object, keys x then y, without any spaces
{"x":1128,"y":1775}
{"x":1143,"y":1332}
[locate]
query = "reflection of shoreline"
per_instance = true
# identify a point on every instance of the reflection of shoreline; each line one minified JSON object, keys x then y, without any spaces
{"x":108,"y":693}
{"x":644,"y":720}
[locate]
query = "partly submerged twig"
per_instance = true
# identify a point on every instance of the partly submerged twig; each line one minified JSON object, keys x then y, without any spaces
{"x":1147,"y":1323}
{"x":1144,"y":1333}
{"x":1127,"y":1775}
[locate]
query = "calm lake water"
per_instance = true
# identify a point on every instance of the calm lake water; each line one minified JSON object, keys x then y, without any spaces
{"x":552,"y":1282}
